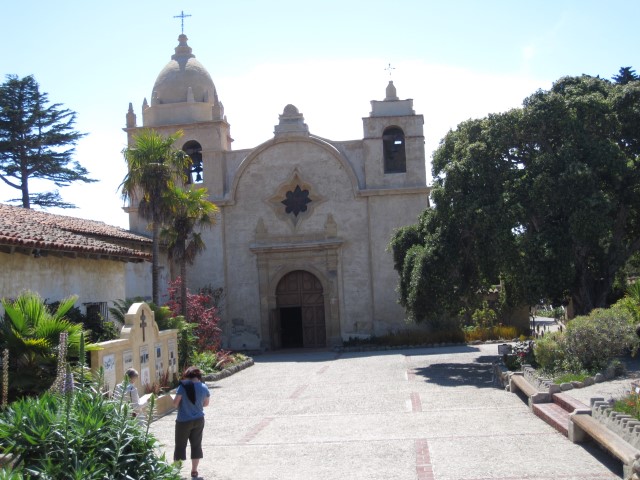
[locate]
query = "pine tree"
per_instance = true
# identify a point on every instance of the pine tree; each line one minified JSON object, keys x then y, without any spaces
{"x":626,"y":75}
{"x":37,"y":141}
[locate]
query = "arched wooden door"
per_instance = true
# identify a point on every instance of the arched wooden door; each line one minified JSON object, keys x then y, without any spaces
{"x":300,"y":303}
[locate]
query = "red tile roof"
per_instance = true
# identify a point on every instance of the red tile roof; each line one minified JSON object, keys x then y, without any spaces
{"x":42,"y":232}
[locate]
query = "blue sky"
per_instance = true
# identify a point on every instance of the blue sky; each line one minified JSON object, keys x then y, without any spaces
{"x":457,"y":59}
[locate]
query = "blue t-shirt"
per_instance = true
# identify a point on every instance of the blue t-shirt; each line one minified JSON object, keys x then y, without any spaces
{"x":187,"y":410}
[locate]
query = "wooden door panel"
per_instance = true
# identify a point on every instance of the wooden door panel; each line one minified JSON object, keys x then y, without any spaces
{"x":275,"y":328}
{"x":308,"y":317}
{"x":289,"y":300}
{"x":303,"y":289}
{"x":312,"y":298}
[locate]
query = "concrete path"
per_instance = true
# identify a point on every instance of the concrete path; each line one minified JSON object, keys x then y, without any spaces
{"x":427,"y":414}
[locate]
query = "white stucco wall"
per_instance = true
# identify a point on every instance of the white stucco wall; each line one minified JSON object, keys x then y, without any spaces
{"x":389,"y":212}
{"x":138,"y":280}
{"x":55,"y":278}
{"x":208,"y":268}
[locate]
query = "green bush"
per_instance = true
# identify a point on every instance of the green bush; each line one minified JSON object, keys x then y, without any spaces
{"x":630,"y":303}
{"x":571,"y":377}
{"x":549,"y":351}
{"x":630,"y":306}
{"x":598,"y":338}
{"x":79,"y":435}
{"x":212,"y":362}
{"x":484,"y":317}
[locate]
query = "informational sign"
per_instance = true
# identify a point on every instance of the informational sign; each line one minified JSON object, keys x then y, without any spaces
{"x":144,"y":356}
{"x":127,"y":360}
{"x":159,"y":362}
{"x":173,"y":356}
{"x":145,"y":376}
{"x":504,"y":349}
{"x":109,"y":366}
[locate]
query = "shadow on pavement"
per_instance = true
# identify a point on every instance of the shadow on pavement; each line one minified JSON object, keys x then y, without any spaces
{"x":324,"y":355}
{"x":479,"y":375}
{"x":295,"y":355}
{"x":604,"y":457}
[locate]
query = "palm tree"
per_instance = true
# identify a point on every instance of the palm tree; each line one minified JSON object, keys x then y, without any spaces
{"x":32,"y":335}
{"x":190,"y":212}
{"x":154,"y":167}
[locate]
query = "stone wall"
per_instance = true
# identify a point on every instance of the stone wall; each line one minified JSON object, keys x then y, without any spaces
{"x":55,"y":278}
{"x":153,"y":353}
{"x":546,"y":384}
{"x":625,"y":426}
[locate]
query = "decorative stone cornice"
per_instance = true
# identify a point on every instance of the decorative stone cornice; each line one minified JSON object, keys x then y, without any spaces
{"x":273,"y":245}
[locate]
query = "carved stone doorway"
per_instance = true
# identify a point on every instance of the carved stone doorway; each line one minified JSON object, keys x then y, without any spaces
{"x":299,"y":316}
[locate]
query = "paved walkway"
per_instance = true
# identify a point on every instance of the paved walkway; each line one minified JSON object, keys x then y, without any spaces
{"x":545,"y":324}
{"x":427,"y":414}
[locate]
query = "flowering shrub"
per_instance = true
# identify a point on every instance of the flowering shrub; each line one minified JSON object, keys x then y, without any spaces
{"x":522,"y":354}
{"x":202,"y":312}
{"x":629,"y":405}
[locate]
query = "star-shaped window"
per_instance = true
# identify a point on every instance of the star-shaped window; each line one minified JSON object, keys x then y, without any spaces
{"x":296,"y":201}
{"x":299,"y":197}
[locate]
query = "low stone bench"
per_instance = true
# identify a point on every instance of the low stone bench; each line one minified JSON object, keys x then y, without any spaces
{"x":164,"y":405}
{"x":518,"y":382}
{"x":584,"y":426}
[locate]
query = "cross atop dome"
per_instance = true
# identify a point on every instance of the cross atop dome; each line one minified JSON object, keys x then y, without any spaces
{"x":182,"y":16}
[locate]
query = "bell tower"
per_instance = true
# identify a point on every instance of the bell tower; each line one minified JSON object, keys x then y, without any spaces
{"x":394,"y":143}
{"x":185,"y":98}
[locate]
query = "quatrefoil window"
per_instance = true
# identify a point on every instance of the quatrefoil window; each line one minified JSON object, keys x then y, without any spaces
{"x":296,"y":201}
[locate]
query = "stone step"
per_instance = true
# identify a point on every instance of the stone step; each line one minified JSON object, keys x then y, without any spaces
{"x":569,"y":403}
{"x":554,"y":414}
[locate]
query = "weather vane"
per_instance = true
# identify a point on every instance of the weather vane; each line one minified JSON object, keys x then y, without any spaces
{"x":389,"y":69}
{"x":182,"y":16}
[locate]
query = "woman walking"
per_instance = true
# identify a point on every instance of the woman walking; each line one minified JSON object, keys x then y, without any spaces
{"x":191,"y":397}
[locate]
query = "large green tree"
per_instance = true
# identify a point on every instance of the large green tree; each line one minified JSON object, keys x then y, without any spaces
{"x":37,"y":141}
{"x":190,"y":212}
{"x":155,"y":166}
{"x":544,"y":198}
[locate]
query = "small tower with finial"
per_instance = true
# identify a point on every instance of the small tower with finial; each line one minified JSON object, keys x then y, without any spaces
{"x":394,"y":140}
{"x":131,"y":117}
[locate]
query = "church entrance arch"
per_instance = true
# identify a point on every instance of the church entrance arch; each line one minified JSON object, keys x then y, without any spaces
{"x":300,"y":308}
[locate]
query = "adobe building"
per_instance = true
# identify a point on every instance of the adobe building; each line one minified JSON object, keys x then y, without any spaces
{"x":300,"y":243}
{"x":57,"y":255}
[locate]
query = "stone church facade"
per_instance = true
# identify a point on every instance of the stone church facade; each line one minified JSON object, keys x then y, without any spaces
{"x":300,"y":241}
